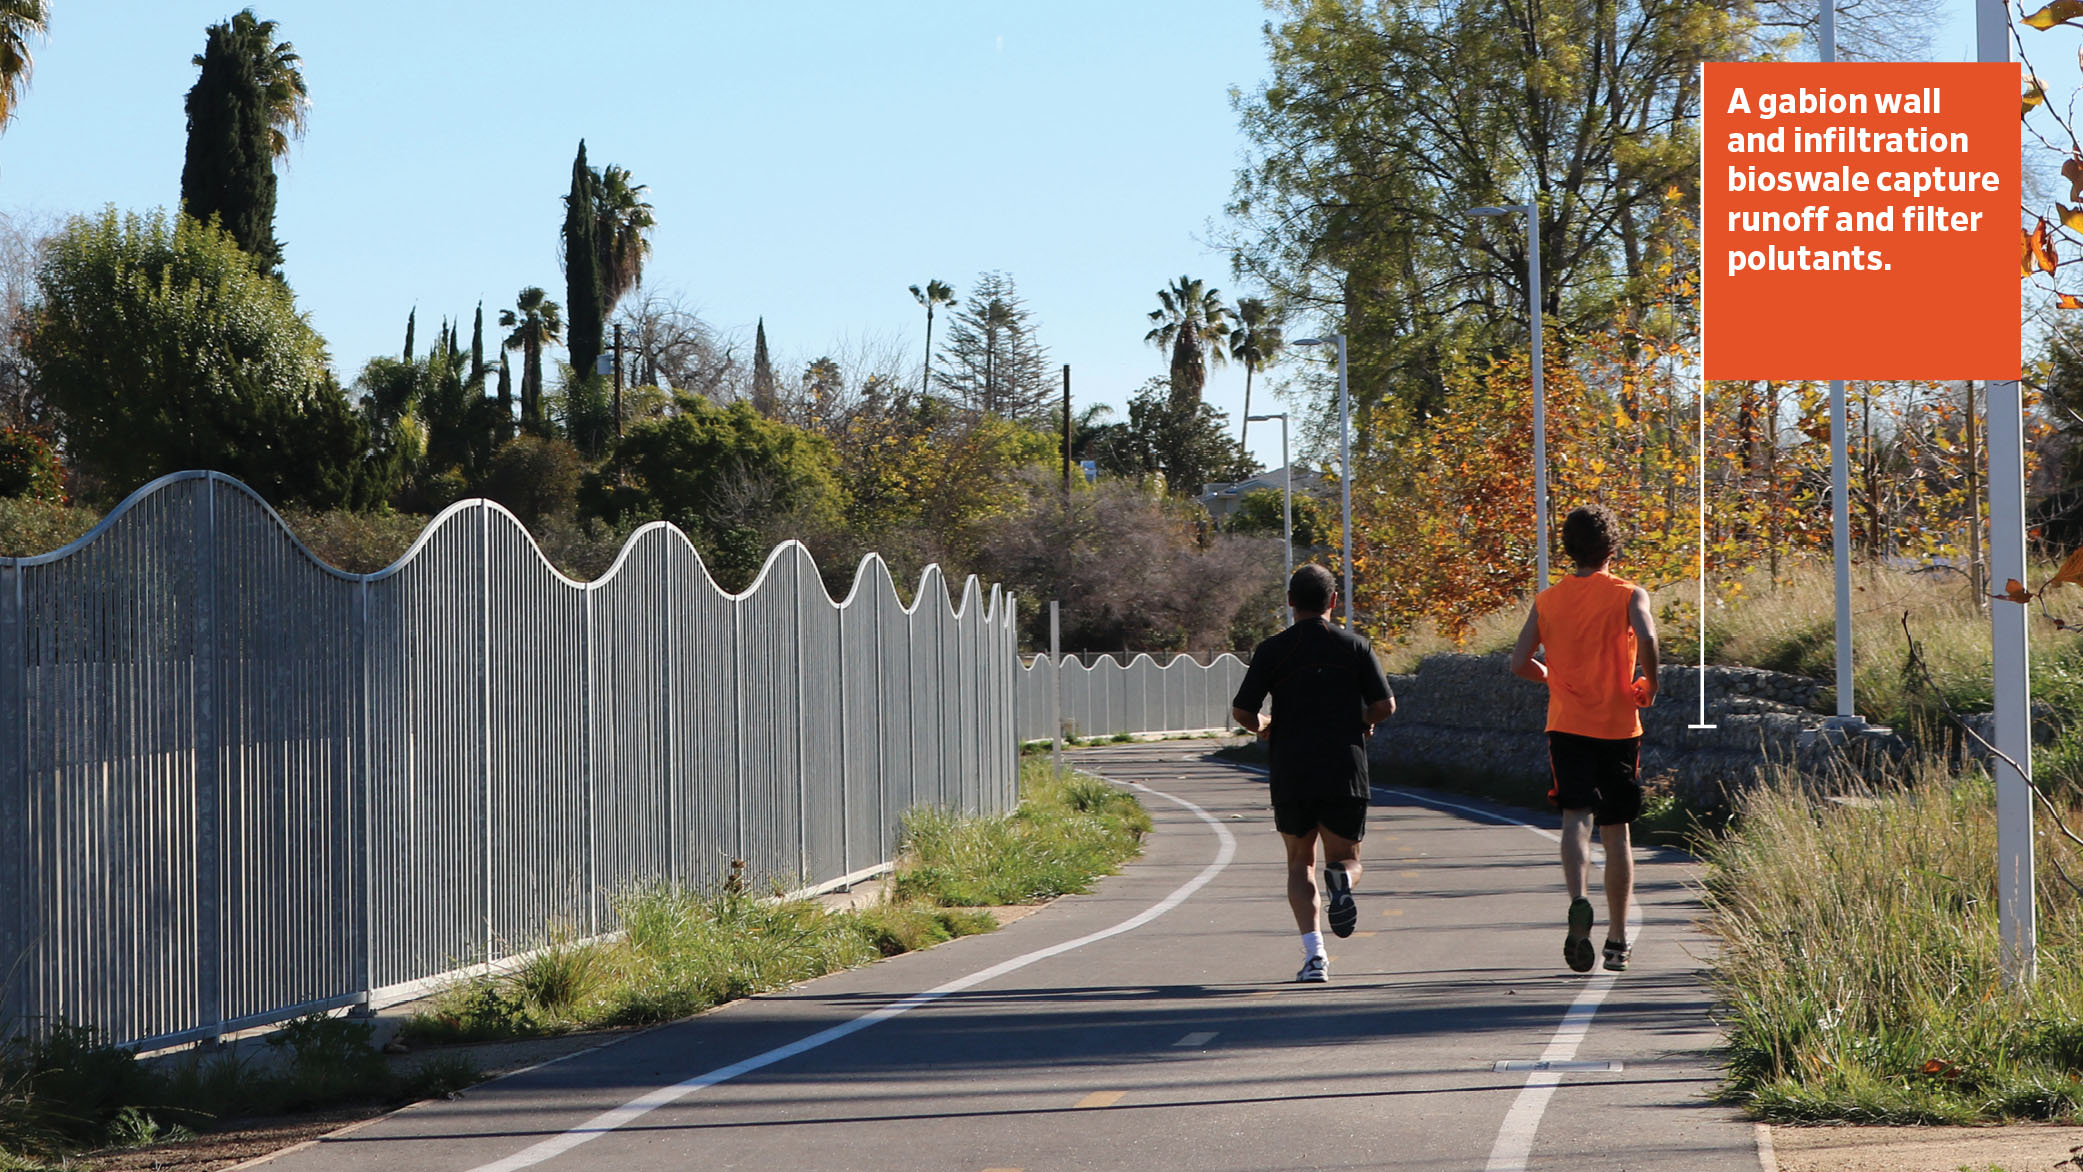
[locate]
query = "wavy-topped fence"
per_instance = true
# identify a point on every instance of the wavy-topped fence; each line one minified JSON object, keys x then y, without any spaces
{"x":1105,"y":697}
{"x":237,"y":784}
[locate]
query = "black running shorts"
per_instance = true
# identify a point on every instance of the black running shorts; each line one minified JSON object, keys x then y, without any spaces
{"x":1343,"y":816}
{"x":1597,"y":775}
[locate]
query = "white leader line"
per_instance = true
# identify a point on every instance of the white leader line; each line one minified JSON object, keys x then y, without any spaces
{"x":618,"y":1117}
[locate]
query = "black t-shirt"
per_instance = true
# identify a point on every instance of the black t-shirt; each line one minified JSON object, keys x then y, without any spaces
{"x":1322,"y":679}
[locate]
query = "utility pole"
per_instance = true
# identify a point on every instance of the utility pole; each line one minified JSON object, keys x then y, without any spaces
{"x":618,"y":380}
{"x":1066,"y":431}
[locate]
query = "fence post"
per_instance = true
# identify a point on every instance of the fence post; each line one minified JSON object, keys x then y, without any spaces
{"x":364,"y":785}
{"x":587,"y":716}
{"x":484,"y":689}
{"x":802,"y":738}
{"x":1056,"y":685}
{"x":14,"y":787}
{"x":737,"y":732}
{"x":209,"y":779}
{"x":845,"y":749}
{"x":675,"y":809}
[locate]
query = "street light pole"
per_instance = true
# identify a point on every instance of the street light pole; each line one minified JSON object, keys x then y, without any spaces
{"x":1287,"y":494}
{"x":1345,"y":462}
{"x":1540,"y":397}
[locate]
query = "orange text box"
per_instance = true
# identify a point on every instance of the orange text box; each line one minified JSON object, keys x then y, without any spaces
{"x":1860,"y":221}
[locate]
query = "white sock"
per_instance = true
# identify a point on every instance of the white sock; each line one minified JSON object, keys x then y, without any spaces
{"x":1312,"y":944}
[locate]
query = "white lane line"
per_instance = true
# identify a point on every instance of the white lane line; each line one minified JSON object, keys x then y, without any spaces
{"x":650,"y":1101}
{"x":1515,"y":1137}
{"x":1200,"y":1038}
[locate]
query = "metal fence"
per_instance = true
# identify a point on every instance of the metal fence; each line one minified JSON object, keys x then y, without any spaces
{"x":237,"y":784}
{"x":1102,"y":698}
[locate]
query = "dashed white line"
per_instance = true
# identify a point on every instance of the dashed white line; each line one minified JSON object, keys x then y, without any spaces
{"x":1200,"y":1038}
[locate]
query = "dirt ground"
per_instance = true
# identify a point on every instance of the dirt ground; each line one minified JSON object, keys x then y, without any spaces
{"x":2030,"y":1147}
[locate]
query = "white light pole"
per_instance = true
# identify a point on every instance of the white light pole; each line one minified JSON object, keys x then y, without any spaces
{"x":1287,"y":493}
{"x":1540,"y":398}
{"x":2016,"y":916}
{"x":1345,"y":461}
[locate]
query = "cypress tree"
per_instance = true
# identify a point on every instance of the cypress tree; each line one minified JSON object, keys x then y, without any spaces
{"x":764,"y":399}
{"x":411,"y":319}
{"x":229,"y":170}
{"x":582,"y":284}
{"x":477,"y":347}
{"x":506,"y":401}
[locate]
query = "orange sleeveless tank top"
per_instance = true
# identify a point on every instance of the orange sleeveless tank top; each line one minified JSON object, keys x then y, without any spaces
{"x":1590,"y":649}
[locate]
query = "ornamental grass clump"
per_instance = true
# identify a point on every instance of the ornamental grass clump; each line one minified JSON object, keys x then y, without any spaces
{"x":1861,"y":971}
{"x":1069,"y":830}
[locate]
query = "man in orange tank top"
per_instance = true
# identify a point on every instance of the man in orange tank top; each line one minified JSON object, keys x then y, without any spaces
{"x":1600,"y":651}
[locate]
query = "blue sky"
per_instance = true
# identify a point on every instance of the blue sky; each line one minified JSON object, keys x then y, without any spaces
{"x":807,"y":162}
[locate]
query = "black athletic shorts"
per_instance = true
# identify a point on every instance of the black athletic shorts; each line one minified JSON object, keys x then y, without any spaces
{"x":1341,"y":814}
{"x":1597,"y":775}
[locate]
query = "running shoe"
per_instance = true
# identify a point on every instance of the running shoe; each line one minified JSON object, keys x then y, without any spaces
{"x":1617,"y":954}
{"x":1313,"y":972}
{"x":1340,"y":911}
{"x":1576,"y":947}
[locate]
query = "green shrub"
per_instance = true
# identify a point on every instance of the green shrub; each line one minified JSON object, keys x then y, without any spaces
{"x":29,"y":468}
{"x":29,"y":527}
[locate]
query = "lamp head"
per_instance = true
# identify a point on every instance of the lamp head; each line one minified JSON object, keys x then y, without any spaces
{"x":1265,"y":418}
{"x":1310,"y":342}
{"x":1488,"y":211}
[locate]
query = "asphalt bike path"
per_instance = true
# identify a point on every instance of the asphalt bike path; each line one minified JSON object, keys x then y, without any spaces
{"x":1154,"y":1024}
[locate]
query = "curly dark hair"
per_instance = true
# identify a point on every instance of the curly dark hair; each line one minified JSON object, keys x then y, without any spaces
{"x":1591,"y":535}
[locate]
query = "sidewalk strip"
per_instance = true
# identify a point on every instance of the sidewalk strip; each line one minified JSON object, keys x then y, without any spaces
{"x":619,"y":1117}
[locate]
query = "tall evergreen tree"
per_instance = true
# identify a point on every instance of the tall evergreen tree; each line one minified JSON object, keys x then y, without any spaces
{"x":582,"y":283}
{"x":246,"y":106}
{"x":535,"y":321}
{"x":1194,"y":323}
{"x":477,"y":348}
{"x":622,"y":227}
{"x":506,"y":400}
{"x":411,"y":319}
{"x":764,"y":398}
{"x":992,"y":360}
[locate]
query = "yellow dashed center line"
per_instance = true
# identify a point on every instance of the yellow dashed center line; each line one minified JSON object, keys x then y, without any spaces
{"x":1392,"y":911}
{"x":1361,"y":935}
{"x":1101,"y":1099}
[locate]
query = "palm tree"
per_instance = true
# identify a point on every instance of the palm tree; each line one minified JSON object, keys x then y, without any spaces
{"x":623,"y":235}
{"x":1190,"y":316}
{"x":19,"y":19}
{"x":935,"y":293}
{"x":280,"y":73}
{"x":1256,"y":343}
{"x":534,"y":320}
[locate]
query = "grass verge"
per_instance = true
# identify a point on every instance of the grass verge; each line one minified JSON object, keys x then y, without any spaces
{"x":69,"y":1090}
{"x":683,"y":951}
{"x":680,"y":952}
{"x":1860,"y":968}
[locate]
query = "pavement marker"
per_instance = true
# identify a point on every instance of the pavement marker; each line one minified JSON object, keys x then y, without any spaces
{"x":1101,"y":1099}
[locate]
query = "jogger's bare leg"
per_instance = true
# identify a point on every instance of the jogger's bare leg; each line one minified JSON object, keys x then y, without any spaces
{"x":1301,"y":879}
{"x":1341,"y":850}
{"x":1620,"y":877}
{"x":1576,"y":852}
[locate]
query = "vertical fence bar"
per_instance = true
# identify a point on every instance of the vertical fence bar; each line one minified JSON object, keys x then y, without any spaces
{"x":588,"y":716}
{"x":845,"y":749}
{"x":737,"y":732}
{"x":484,"y":680}
{"x":14,"y":787}
{"x":364,"y":787}
{"x":209,"y":777}
{"x":795,"y":587}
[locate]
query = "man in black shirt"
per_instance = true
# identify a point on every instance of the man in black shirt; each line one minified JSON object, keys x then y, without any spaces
{"x":1328,"y":693}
